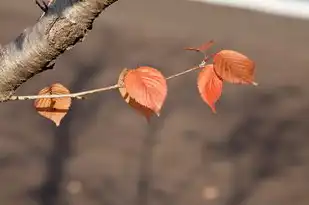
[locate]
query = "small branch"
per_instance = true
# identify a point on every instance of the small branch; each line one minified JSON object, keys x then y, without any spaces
{"x":81,"y":95}
{"x":183,"y":73}
{"x":201,"y":65}
{"x":78,"y":95}
{"x":43,"y":6}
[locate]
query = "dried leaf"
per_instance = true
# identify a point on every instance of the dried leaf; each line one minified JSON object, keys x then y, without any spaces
{"x":201,"y":48}
{"x":144,"y":88}
{"x":234,"y":67}
{"x":209,"y":86}
{"x":53,"y":108}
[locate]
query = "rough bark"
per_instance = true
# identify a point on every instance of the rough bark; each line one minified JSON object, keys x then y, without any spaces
{"x":65,"y":23}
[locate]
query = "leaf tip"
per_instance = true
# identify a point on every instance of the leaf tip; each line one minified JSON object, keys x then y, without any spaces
{"x":213,"y":108}
{"x":57,"y":123}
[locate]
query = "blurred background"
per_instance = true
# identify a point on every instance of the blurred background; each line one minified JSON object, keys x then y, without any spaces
{"x":254,"y":151}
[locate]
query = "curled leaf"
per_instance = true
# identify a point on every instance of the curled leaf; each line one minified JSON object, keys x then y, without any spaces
{"x":201,"y":48}
{"x":209,"y":86}
{"x":143,"y":88}
{"x":53,"y":108}
{"x":234,"y":67}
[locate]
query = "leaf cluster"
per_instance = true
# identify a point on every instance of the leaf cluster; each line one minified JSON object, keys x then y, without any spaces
{"x":145,"y":88}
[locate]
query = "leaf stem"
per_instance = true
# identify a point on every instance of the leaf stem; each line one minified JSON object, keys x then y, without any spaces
{"x":79,"y":95}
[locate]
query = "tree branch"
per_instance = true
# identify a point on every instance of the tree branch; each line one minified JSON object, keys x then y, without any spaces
{"x":35,"y":50}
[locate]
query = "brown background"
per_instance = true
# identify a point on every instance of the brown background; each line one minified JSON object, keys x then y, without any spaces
{"x":254,"y":151}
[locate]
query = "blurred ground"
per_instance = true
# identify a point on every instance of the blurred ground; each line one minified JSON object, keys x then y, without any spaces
{"x":254,"y":151}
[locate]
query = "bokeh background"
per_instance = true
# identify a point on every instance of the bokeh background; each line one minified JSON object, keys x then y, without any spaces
{"x":254,"y":151}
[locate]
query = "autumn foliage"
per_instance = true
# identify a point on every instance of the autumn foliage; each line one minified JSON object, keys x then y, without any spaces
{"x":145,"y":88}
{"x":53,"y":108}
{"x":209,"y":86}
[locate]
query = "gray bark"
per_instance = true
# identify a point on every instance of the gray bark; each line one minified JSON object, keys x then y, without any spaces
{"x":36,"y":48}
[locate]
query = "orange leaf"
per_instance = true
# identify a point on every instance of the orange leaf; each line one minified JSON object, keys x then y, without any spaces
{"x":53,"y":108}
{"x":144,"y":88}
{"x":234,"y":67}
{"x":201,"y":48}
{"x":123,"y":92}
{"x":209,"y":86}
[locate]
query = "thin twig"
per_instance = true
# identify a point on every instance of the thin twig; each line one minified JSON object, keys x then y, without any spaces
{"x":201,"y":65}
{"x":43,"y":6}
{"x":183,"y":73}
{"x":78,"y":95}
{"x":81,"y":95}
